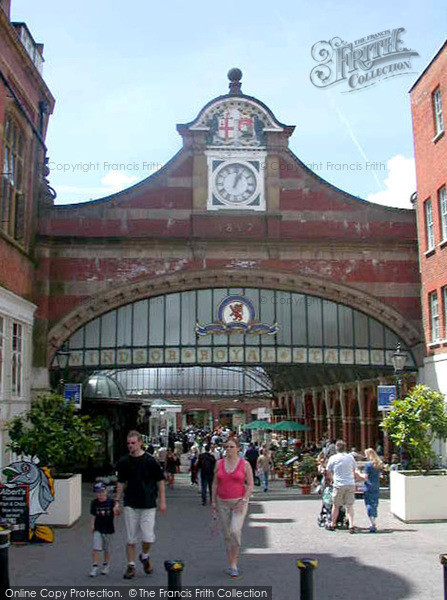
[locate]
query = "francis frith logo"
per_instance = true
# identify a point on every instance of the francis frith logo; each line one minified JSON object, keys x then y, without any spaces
{"x":361,"y":63}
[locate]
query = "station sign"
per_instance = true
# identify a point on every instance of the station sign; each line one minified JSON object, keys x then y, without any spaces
{"x":73,"y":393}
{"x":386,"y":395}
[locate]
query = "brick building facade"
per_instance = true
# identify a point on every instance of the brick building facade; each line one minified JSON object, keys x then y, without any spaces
{"x":429,"y":111}
{"x":236,"y":210}
{"x":25,"y":105}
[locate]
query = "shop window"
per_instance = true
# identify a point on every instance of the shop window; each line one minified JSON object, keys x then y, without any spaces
{"x":17,"y":359}
{"x":429,"y":226}
{"x":442,"y":196}
{"x":12,"y":192}
{"x":434,"y":316}
{"x":437,"y":110}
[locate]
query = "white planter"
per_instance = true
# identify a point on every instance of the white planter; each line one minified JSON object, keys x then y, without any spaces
{"x":418,"y":497}
{"x":67,"y":505}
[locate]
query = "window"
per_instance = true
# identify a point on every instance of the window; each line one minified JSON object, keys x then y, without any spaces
{"x":437,"y":109}
{"x":434,"y":316}
{"x":16,"y":359}
{"x":2,"y":352}
{"x":429,"y":226}
{"x":12,"y":197}
{"x":442,"y":197}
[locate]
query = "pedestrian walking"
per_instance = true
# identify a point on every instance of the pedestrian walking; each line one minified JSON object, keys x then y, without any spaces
{"x":206,"y":465}
{"x":102,"y":527}
{"x":263,"y":468}
{"x":371,"y":476}
{"x":340,"y":472}
{"x":232,"y":487}
{"x":171,"y":467}
{"x":142,"y":479}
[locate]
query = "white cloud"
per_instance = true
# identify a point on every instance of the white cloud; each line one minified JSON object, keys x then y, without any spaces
{"x":112,"y":182}
{"x":400,"y":183}
{"x":115,"y":181}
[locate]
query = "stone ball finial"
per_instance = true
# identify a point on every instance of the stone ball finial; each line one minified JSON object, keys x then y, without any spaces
{"x":235,"y":76}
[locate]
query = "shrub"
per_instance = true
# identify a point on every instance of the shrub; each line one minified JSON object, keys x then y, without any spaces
{"x":415,"y":422}
{"x":52,"y":431}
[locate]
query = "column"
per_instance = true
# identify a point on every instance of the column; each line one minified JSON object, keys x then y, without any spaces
{"x":327,"y":407}
{"x":341,"y":392}
{"x":361,"y":401}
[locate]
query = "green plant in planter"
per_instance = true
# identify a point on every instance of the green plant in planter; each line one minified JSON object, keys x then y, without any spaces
{"x":307,"y":469}
{"x":52,"y":431}
{"x":415,"y":422}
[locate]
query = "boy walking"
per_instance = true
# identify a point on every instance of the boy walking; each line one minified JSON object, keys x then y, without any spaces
{"x":102,"y":527}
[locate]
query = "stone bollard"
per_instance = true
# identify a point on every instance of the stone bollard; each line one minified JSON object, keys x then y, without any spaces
{"x":443,"y":561}
{"x":306,"y":567}
{"x":174,"y":569}
{"x":4,"y":560}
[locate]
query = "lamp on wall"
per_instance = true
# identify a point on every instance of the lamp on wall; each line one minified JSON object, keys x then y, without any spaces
{"x":399,"y":359}
{"x":62,"y":358}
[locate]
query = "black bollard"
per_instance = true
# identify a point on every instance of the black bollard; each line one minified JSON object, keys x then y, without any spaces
{"x":307,"y":566}
{"x":4,"y":560}
{"x":443,"y":561}
{"x":174,"y":569}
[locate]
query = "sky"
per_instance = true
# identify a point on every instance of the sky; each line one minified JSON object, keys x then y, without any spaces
{"x":124,"y":74}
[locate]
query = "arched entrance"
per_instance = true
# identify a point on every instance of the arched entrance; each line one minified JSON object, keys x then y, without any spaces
{"x":263,"y":341}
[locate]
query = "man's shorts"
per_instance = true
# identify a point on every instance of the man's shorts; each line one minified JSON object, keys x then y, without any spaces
{"x":139,"y":518}
{"x":344,"y":495}
{"x":101,"y":541}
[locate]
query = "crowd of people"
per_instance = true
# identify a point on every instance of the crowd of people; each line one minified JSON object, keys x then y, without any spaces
{"x":227,"y":475}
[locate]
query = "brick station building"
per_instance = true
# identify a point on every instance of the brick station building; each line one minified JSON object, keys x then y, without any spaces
{"x":232,"y":255}
{"x":429,"y":110}
{"x":25,"y":106}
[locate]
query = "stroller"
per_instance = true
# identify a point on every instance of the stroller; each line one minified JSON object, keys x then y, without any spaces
{"x":325,"y":514}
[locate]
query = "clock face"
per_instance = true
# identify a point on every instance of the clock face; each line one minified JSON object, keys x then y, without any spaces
{"x":236,"y":183}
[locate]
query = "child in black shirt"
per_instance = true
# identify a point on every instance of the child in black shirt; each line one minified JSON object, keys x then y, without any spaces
{"x":101,"y":510}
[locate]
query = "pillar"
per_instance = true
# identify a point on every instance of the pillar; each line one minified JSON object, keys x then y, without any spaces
{"x":341,"y":392}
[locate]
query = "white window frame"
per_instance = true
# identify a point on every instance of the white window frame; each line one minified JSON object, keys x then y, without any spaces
{"x":434,"y":316}
{"x":429,"y":230}
{"x":437,"y":110}
{"x":17,"y":359}
{"x":442,"y":200}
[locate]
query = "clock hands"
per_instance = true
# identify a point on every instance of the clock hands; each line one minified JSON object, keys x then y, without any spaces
{"x":237,"y":178}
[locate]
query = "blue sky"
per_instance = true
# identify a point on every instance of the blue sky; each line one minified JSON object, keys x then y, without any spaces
{"x":124,"y":74}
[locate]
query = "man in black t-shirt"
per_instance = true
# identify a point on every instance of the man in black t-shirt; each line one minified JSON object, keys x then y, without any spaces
{"x":205,"y":465}
{"x":142,"y":480}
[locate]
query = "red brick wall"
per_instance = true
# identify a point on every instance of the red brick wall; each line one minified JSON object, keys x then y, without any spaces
{"x":431,"y":172}
{"x":28,"y":88}
{"x":16,"y":270}
{"x":152,"y":230}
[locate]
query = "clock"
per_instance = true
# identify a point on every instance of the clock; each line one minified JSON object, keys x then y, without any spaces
{"x":236,"y":183}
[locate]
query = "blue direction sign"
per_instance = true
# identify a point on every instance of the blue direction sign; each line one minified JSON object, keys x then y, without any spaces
{"x":386,"y":394}
{"x":73,"y":393}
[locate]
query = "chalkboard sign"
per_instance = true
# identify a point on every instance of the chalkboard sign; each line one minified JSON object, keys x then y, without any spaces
{"x":14,"y":508}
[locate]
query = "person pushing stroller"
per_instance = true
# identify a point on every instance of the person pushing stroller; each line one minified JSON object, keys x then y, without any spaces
{"x":340,"y":471}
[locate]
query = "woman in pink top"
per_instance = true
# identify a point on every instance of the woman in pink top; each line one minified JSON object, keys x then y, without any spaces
{"x":232,"y":487}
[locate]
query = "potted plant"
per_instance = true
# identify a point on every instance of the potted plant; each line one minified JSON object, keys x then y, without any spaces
{"x":413,"y":424}
{"x":52,"y":432}
{"x":307,"y":470}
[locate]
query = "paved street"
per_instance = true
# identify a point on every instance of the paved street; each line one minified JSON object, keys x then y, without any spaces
{"x":401,"y":561}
